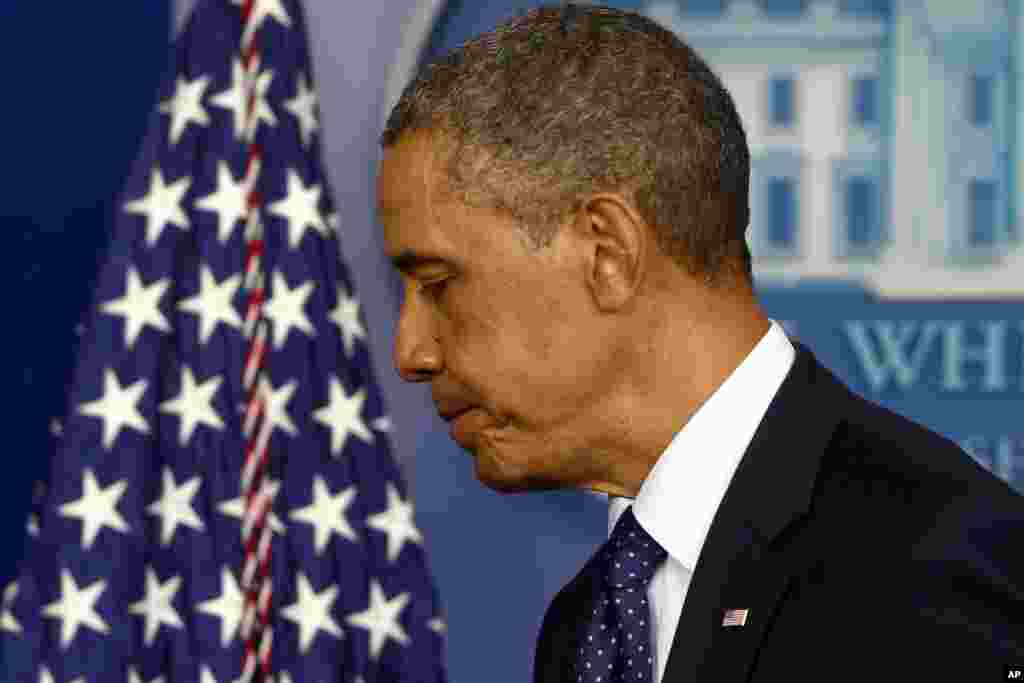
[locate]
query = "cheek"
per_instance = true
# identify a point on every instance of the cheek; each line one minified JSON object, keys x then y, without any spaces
{"x":543,"y":357}
{"x":492,"y":338}
{"x":492,"y":341}
{"x":559,"y":336}
{"x":522,"y":347}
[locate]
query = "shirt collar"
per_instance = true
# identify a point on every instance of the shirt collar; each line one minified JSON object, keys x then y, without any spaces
{"x":681,"y":494}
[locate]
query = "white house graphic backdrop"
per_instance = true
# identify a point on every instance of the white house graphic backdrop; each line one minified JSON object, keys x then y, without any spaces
{"x":883,"y":137}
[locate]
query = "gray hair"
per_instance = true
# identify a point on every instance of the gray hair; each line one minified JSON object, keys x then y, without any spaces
{"x":564,"y":102}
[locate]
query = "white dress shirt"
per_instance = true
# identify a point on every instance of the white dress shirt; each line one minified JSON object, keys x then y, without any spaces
{"x":680,"y":496}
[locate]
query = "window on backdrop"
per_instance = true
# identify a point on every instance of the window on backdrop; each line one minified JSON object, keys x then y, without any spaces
{"x":981,"y":212}
{"x":781,"y":101}
{"x":781,"y":212}
{"x":979,"y":100}
{"x":865,"y":101}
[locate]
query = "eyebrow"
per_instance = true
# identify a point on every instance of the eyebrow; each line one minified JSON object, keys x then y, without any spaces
{"x":408,"y":260}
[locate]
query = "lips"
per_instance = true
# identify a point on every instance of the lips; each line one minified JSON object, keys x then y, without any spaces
{"x":451,"y":411}
{"x":459,"y":414}
{"x":462,"y":425}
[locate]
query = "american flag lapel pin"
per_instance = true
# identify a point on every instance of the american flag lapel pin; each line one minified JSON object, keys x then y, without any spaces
{"x":735,"y":617}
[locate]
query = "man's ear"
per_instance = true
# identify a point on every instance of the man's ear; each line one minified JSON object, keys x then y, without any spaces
{"x":615,"y":241}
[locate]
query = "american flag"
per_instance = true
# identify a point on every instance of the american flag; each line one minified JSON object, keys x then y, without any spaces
{"x":223,"y":504}
{"x":735,"y":617}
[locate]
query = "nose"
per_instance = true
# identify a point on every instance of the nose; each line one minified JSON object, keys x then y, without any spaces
{"x":417,"y":353}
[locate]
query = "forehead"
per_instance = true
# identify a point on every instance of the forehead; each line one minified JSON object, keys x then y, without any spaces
{"x":418,"y":216}
{"x":415,"y":221}
{"x":403,"y":183}
{"x":410,"y":173}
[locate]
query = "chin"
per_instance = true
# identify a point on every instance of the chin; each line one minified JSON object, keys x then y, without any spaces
{"x":501,"y":479}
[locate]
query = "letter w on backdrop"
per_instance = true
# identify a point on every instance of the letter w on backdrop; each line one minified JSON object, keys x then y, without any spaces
{"x":224,"y":505}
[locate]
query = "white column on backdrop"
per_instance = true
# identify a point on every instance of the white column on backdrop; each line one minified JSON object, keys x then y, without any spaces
{"x":918,"y":150}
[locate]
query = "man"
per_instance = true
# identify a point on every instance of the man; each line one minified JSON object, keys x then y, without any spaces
{"x":566,"y":199}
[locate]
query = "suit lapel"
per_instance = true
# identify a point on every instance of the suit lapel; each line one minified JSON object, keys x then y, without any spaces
{"x":742,"y":564}
{"x":558,"y":640}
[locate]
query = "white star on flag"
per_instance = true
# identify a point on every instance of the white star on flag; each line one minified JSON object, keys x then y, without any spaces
{"x":75,"y":608}
{"x":236,"y":506}
{"x":186,"y":105}
{"x":303,"y":107}
{"x":46,"y":677}
{"x":327,"y":514}
{"x":343,"y":415}
{"x":346,"y":316}
{"x":380,"y":618}
{"x":206,"y":676}
{"x":193,"y":404}
{"x":134,"y":677}
{"x":285,"y":309}
{"x":312,"y":612}
{"x":140,"y":306}
{"x":117,"y":407}
{"x":155,"y":607}
{"x":234,"y":99}
{"x":230,"y":201}
{"x":7,"y":620}
{"x":97,"y":508}
{"x":33,"y":525}
{"x":396,"y":522}
{"x":436,"y":625}
{"x":213,"y":303}
{"x":275,"y":405}
{"x":175,"y":506}
{"x":300,"y":209}
{"x":161,"y":205}
{"x":227,"y":607}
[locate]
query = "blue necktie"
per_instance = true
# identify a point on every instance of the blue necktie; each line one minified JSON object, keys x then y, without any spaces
{"x":615,"y":636}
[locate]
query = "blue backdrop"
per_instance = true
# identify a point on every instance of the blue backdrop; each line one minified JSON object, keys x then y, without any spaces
{"x":79,"y":84}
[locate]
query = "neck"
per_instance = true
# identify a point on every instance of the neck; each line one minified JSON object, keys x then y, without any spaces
{"x":678,"y":366}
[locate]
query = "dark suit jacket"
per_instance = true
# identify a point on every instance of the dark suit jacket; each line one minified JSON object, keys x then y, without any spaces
{"x":865,"y":547}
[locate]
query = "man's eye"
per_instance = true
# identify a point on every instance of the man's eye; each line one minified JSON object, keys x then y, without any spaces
{"x":435,"y":288}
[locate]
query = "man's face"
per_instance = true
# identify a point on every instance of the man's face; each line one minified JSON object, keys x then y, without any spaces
{"x":488,"y":324}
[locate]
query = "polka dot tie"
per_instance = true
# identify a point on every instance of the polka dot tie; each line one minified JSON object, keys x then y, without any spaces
{"x":615,"y":640}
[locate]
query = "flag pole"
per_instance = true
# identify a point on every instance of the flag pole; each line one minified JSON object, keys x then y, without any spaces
{"x":256,"y":533}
